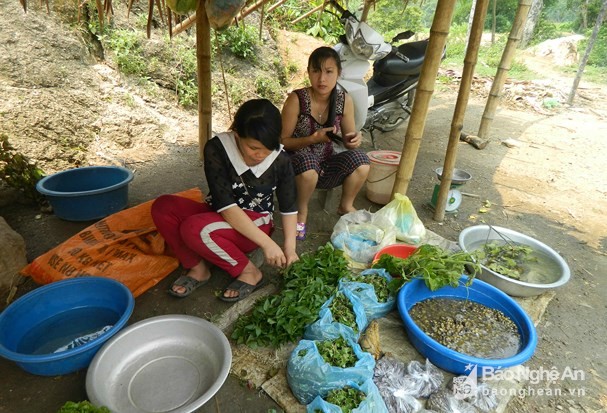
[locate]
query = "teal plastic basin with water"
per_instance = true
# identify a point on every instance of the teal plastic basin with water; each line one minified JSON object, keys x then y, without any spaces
{"x":50,"y":317}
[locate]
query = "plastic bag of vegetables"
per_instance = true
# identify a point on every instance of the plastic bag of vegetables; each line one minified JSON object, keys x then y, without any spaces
{"x":315,"y":367}
{"x":355,"y":398}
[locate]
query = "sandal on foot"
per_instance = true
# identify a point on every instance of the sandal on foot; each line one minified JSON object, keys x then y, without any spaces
{"x":301,"y":231}
{"x":187,"y":282}
{"x":244,"y":290}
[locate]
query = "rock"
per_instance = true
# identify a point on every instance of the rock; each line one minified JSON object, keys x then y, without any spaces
{"x":563,"y":51}
{"x":13,"y":256}
{"x":511,"y":143}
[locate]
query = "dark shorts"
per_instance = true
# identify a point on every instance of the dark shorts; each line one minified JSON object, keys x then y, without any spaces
{"x":333,"y":171}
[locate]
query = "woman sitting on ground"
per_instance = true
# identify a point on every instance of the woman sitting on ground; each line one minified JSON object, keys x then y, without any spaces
{"x":309,"y":116}
{"x":243,"y":168}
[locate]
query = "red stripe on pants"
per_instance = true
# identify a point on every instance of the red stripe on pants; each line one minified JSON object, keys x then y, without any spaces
{"x":194,"y":231}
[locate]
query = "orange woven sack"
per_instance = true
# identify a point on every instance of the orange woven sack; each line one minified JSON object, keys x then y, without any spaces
{"x":124,"y":246}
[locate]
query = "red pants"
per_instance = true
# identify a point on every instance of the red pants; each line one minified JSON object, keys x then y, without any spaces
{"x":194,"y":231}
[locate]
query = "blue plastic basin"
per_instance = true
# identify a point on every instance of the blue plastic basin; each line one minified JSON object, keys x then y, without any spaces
{"x":51,"y":316}
{"x":480,"y":292}
{"x":88,"y":193}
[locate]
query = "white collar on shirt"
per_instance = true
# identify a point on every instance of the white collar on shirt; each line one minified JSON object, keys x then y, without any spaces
{"x":228,"y":140}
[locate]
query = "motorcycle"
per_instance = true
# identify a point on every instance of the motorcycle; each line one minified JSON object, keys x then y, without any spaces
{"x":385,"y":100}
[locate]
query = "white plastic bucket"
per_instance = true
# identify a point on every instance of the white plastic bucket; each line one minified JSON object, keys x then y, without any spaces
{"x":382,"y":174}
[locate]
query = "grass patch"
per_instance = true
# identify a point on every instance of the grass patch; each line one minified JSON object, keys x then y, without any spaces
{"x":488,"y":59}
{"x":594,"y":74}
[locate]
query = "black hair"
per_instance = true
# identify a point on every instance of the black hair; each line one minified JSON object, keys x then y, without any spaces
{"x":319,"y":55}
{"x":315,"y":61}
{"x":259,"y":119}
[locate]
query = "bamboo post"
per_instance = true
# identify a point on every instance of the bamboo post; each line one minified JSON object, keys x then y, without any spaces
{"x":185,"y":24}
{"x":474,"y":41}
{"x":314,"y":10}
{"x":203,"y":59}
{"x":275,"y":5}
{"x":504,"y":66}
{"x":250,"y":10}
{"x":425,"y":88}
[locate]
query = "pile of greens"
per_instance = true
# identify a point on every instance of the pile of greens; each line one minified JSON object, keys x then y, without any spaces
{"x":342,"y":311}
{"x":437,"y":267}
{"x":379,"y":283}
{"x":282,"y":318}
{"x":347,"y":398}
{"x":506,"y":259}
{"x":337,"y":352}
{"x":82,"y":407}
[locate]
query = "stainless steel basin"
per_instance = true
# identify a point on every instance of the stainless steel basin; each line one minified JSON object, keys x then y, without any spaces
{"x":473,"y":237}
{"x":171,"y":363}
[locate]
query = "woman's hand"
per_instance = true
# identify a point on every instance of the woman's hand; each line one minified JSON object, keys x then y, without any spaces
{"x":320,"y":135}
{"x":274,"y":255}
{"x":291,"y":257}
{"x":353,"y":140}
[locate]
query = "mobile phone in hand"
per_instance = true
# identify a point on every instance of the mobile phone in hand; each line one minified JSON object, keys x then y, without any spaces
{"x":334,"y":137}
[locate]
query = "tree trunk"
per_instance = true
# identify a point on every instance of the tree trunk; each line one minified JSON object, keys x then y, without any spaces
{"x":580,"y":70}
{"x":494,"y":21}
{"x":532,"y":19}
{"x":584,"y":14}
{"x":503,"y":68}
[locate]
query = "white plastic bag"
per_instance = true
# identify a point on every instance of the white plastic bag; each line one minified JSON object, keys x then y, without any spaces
{"x":360,"y":235}
{"x":400,"y":212}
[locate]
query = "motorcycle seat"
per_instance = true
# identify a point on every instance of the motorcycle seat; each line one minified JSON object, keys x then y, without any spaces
{"x":392,"y":65}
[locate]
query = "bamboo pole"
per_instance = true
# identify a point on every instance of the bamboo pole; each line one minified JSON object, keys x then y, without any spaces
{"x":261,"y":17}
{"x":474,"y":41}
{"x":504,"y":66}
{"x":250,"y":10}
{"x":275,"y":5}
{"x":314,"y":10}
{"x":185,"y":24}
{"x":425,"y":88}
{"x":203,"y":58}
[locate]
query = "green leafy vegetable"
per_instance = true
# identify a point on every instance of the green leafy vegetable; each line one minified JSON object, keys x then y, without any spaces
{"x":437,"y":267}
{"x":342,"y":311}
{"x":282,"y":318}
{"x":337,"y":352}
{"x":506,"y":259}
{"x":347,"y":398}
{"x":379,"y":283}
{"x":82,"y":407}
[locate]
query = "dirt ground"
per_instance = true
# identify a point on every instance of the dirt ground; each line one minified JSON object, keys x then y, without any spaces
{"x":62,"y":108}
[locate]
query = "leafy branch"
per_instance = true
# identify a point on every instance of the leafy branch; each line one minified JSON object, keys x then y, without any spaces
{"x":437,"y":267}
{"x":18,"y":172}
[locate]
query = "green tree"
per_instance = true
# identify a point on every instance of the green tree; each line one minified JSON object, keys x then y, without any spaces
{"x":391,"y":17}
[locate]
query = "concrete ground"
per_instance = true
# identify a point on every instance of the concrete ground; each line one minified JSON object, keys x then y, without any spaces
{"x":22,"y":392}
